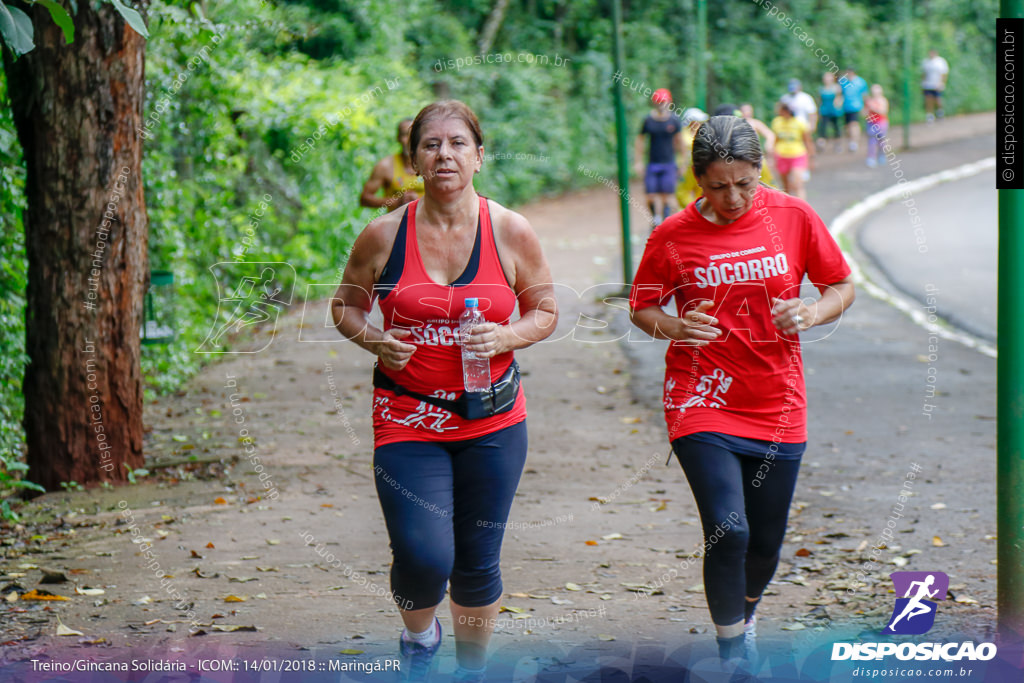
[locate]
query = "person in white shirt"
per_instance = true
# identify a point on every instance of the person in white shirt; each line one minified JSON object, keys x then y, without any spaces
{"x":801,"y":104}
{"x":934,"y":71}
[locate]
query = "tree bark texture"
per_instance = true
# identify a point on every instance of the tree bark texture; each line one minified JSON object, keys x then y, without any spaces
{"x":77,"y":109}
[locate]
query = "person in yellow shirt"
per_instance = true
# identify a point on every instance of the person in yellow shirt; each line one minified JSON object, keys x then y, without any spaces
{"x":688,"y":190}
{"x":394,"y":176}
{"x":794,"y":155}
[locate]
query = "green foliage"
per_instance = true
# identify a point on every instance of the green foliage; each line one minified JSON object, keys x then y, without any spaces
{"x":132,"y":17}
{"x":13,"y":283}
{"x":294,"y":134}
{"x":16,"y":30}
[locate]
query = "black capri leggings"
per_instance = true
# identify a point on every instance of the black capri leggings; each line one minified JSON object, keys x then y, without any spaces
{"x":446,"y":504}
{"x":723,"y":472}
{"x":825,"y":122}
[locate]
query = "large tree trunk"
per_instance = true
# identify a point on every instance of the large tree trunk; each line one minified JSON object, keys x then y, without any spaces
{"x":77,"y":109}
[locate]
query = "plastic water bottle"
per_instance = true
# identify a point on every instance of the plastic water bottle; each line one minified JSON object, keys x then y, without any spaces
{"x":476,"y":371}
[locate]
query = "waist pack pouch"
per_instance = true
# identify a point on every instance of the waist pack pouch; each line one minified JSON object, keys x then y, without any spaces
{"x":470,"y":405}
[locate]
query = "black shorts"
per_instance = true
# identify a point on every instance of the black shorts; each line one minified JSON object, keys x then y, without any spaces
{"x":851,"y":116}
{"x":933,"y":93}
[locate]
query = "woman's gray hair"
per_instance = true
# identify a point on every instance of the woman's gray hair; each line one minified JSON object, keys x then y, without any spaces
{"x":725,"y":138}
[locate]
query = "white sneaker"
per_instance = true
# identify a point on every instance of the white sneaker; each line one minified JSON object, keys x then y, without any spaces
{"x":750,"y":639}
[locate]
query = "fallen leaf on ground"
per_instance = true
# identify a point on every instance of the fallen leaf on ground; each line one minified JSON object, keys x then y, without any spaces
{"x":230,"y":628}
{"x":966,"y":600}
{"x":234,"y":598}
{"x":573,"y":587}
{"x":198,"y":572}
{"x":63,"y":630}
{"x":605,"y":637}
{"x":514,"y":610}
{"x":612,"y":537}
{"x":350,"y":651}
{"x":85,"y":590}
{"x":52,"y":576}
{"x":642,"y":588}
{"x":803,"y":552}
{"x":273,"y":541}
{"x":939,"y":506}
{"x":196,"y":556}
{"x":631,"y":420}
{"x":35,"y":594}
{"x":219,"y":500}
{"x":937,"y":542}
{"x":242,"y":579}
{"x":591,"y":543}
{"x":210,"y":545}
{"x":795,"y":626}
{"x":518,"y":595}
{"x":560,"y":601}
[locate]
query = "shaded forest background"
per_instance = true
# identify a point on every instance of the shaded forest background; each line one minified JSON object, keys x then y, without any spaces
{"x":294,"y":101}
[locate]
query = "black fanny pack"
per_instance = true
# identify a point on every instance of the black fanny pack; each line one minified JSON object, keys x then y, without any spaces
{"x":469,"y":405}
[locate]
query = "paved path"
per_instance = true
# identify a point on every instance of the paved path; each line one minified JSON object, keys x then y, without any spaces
{"x":957,"y":268}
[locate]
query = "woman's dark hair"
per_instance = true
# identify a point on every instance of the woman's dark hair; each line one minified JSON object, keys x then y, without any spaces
{"x":444,"y":109}
{"x":725,"y":138}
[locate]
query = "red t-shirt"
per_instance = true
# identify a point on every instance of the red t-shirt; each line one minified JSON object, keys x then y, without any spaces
{"x":431,"y":312}
{"x":749,"y":382}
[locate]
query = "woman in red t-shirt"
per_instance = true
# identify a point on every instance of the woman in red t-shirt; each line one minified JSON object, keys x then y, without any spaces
{"x":445,"y":482}
{"x":734,"y":387}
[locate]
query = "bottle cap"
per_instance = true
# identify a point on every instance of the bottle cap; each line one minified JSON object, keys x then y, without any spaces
{"x":472,"y":302}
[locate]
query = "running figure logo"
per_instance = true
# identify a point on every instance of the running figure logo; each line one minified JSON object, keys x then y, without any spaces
{"x":256,"y":298}
{"x":914,"y":613}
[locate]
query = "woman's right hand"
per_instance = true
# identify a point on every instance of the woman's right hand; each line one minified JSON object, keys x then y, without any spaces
{"x":696,"y":327}
{"x":393,"y":353}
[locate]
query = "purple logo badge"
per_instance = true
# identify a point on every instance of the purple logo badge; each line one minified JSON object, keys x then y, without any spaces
{"x":914,"y":613}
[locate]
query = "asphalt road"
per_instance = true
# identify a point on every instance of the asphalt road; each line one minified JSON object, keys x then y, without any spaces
{"x":954,"y":265}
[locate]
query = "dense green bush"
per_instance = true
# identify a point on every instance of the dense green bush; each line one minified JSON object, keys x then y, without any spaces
{"x":13,"y":280}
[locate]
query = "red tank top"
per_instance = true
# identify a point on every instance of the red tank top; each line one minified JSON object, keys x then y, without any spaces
{"x":431,"y":312}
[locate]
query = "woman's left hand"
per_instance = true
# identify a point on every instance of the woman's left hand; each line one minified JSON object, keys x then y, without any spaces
{"x":792,"y":316}
{"x":488,"y":340}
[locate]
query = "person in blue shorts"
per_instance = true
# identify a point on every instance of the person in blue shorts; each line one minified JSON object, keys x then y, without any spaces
{"x":663,"y":127}
{"x":854,"y":90}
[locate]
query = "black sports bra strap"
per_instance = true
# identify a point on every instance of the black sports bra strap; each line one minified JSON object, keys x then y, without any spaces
{"x":392,"y":272}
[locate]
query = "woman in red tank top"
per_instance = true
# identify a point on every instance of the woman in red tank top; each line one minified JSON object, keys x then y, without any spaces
{"x":445,"y":483}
